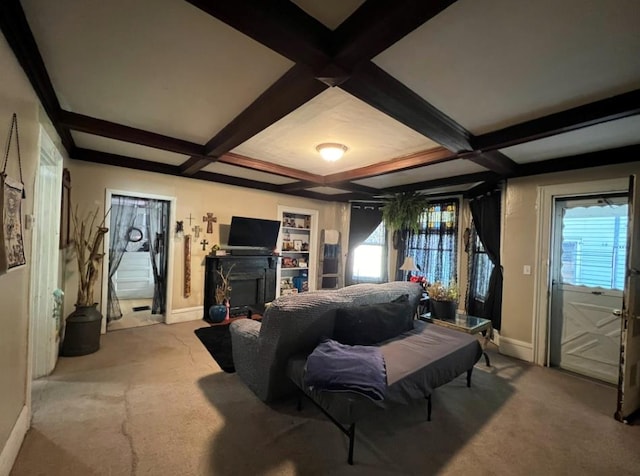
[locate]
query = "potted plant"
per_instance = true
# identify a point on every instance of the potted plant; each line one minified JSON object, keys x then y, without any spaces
{"x":401,"y":213}
{"x":443,"y":299}
{"x":220,"y":310}
{"x":83,"y":326}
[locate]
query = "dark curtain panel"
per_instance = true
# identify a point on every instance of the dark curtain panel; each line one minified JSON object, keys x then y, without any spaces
{"x":365,"y":218}
{"x":123,"y":216}
{"x":157,"y":231}
{"x":434,"y":247}
{"x":485,"y":211}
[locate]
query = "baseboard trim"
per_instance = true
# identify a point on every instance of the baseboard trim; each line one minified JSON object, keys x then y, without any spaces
{"x":184,"y":315}
{"x":12,"y":447}
{"x":516,"y":348}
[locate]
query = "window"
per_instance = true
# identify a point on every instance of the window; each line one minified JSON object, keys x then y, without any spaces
{"x":594,"y":246}
{"x":481,"y":267}
{"x":434,"y":247}
{"x":369,"y":261}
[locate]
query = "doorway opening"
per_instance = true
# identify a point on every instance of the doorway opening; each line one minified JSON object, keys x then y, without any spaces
{"x":45,"y":256}
{"x":138,"y":260}
{"x":588,"y":255}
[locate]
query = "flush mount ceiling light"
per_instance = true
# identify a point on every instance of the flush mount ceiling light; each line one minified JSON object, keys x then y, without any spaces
{"x":331,"y":151}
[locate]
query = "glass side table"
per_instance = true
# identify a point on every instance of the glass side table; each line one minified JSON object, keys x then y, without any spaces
{"x":469,"y":324}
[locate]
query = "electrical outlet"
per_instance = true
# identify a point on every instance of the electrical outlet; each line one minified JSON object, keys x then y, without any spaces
{"x":526,"y":269}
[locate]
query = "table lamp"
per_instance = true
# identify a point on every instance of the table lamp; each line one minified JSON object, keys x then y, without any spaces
{"x":408,"y":265}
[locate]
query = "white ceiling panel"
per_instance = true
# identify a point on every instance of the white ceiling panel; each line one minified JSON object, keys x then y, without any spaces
{"x":112,"y":146}
{"x":329,"y":12}
{"x":423,"y":174}
{"x":328,"y":190}
{"x":493,"y":63}
{"x":601,"y":137}
{"x":452,"y":189}
{"x":334,"y":116}
{"x":226,"y":169}
{"x":158,"y":65}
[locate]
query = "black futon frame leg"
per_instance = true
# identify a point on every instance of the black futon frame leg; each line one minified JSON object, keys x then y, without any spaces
{"x":350,"y":432}
{"x":469,"y":377}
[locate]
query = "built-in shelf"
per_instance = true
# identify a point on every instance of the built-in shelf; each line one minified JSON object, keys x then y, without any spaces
{"x":295,"y":228}
{"x":290,"y":252}
{"x":287,"y":268}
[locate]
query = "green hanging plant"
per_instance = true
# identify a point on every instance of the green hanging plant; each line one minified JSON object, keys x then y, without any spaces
{"x":401,"y":212}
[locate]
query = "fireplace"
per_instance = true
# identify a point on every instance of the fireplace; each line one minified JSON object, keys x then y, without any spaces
{"x":252,"y":279}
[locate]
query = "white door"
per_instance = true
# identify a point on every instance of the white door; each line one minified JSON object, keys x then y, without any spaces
{"x":629,"y":383}
{"x":44,"y":259}
{"x":588,"y":278}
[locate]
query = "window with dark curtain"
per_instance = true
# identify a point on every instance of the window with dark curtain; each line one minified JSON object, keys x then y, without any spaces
{"x":365,"y":218}
{"x":480,"y":267}
{"x":486,"y":211}
{"x":434,"y":247}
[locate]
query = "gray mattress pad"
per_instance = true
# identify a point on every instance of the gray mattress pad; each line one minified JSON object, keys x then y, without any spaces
{"x":417,"y":362}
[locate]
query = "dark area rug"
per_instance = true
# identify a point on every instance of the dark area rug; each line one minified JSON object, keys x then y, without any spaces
{"x":217,"y":340}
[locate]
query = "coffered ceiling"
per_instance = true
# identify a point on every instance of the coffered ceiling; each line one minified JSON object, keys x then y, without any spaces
{"x":439,"y":96}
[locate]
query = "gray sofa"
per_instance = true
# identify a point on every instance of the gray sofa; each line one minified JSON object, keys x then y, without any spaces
{"x":294,"y":325}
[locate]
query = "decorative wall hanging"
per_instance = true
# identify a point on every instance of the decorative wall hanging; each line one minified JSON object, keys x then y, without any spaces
{"x":204,"y":244}
{"x":187,"y":266}
{"x":196,"y":231}
{"x":65,"y":210}
{"x":179,"y":230}
{"x":209,"y":219}
{"x":11,"y":195}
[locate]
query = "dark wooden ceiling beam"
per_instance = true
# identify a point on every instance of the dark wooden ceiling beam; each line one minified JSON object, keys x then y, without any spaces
{"x":378,"y":24}
{"x":616,"y":107}
{"x":105,"y":158}
{"x":299,"y":185}
{"x":271,"y":168}
{"x":17,"y":32}
{"x":99,"y":127}
{"x":374,"y":86}
{"x":292,"y":90}
{"x":494,"y":161}
{"x":443,"y":182}
{"x":619,"y":155}
{"x":420,"y":159}
{"x":279,"y":25}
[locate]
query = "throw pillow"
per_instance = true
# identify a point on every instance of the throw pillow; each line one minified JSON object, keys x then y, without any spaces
{"x":370,"y":324}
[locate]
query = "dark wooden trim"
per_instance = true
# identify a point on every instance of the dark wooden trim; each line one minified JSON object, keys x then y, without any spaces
{"x":271,"y":168}
{"x":112,"y":130}
{"x":443,"y":182}
{"x":616,"y":107}
{"x":374,"y":86}
{"x":620,"y":155}
{"x":15,"y":29}
{"x":495,"y":161}
{"x":378,"y":24}
{"x":420,"y":159}
{"x":280,"y":26}
{"x":237,"y":181}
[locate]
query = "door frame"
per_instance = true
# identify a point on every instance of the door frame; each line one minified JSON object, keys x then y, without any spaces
{"x":545,"y":204}
{"x":109,"y":193}
{"x":43,"y":352}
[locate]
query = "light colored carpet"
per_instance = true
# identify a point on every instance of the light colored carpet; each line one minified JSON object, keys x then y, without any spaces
{"x":153,"y":402}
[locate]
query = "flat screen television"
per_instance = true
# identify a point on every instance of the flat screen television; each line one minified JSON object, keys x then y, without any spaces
{"x":253,"y":232}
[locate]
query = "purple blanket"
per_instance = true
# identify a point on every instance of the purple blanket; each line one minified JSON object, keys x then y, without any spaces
{"x":337,"y":367}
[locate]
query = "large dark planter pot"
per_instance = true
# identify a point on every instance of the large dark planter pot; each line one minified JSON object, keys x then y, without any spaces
{"x":444,"y":310}
{"x":82,"y":331}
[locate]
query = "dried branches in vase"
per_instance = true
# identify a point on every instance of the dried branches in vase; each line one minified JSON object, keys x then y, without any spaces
{"x":223,"y":290}
{"x":87,"y":243}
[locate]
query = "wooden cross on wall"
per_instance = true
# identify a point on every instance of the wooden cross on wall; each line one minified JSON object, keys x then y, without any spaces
{"x":196,"y":231}
{"x":209,"y":219}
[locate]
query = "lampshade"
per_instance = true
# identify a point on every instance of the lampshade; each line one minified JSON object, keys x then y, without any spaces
{"x":408,"y":265}
{"x":331,"y":151}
